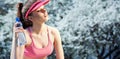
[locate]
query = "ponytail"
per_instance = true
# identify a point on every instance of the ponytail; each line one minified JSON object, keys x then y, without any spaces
{"x":26,"y":23}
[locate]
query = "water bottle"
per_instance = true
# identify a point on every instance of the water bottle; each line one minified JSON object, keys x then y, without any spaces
{"x":21,"y":40}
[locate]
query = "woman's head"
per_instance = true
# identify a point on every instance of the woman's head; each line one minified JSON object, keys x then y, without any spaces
{"x":32,"y":5}
{"x":29,"y":9}
{"x":39,"y":15}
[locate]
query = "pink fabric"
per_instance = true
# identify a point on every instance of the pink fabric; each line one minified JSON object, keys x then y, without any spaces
{"x":34,"y":52}
{"x":36,"y":5}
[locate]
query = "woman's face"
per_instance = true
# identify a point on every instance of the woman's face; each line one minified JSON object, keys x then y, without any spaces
{"x":40,"y":14}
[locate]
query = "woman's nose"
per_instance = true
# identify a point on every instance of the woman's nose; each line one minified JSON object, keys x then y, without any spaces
{"x":43,"y":10}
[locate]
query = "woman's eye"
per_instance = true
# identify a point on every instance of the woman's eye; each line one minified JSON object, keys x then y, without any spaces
{"x":38,"y":10}
{"x":42,"y":10}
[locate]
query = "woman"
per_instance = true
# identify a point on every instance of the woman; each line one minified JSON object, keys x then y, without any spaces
{"x":41,"y":39}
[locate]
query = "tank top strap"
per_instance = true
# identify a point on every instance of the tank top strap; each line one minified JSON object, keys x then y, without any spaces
{"x":49,"y":39}
{"x":48,"y":34}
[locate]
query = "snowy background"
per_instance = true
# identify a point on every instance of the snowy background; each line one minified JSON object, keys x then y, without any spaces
{"x":90,"y":29}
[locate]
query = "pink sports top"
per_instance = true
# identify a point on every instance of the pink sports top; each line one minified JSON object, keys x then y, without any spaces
{"x":33,"y":52}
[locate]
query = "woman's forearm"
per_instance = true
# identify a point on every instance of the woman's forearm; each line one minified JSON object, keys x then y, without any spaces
{"x":19,"y":52}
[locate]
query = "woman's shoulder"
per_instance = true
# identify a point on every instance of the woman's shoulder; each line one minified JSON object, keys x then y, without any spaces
{"x":53,"y":30}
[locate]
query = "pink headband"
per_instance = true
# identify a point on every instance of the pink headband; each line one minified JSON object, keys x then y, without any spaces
{"x":36,"y":5}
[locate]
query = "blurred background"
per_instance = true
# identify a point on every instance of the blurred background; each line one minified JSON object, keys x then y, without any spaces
{"x":90,"y":29}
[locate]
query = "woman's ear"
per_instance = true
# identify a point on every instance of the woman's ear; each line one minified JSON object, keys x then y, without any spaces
{"x":30,"y":18}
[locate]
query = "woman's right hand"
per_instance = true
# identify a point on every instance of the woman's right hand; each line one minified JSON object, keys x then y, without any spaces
{"x":17,"y":29}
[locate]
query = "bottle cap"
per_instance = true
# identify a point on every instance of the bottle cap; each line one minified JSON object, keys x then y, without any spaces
{"x":17,"y":19}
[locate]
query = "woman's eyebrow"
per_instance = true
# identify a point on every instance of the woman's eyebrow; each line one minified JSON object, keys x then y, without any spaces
{"x":40,"y":8}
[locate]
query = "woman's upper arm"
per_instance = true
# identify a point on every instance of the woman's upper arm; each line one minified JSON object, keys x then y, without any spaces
{"x":58,"y":45}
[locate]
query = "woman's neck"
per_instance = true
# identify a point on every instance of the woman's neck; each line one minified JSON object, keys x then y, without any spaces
{"x":39,"y":28}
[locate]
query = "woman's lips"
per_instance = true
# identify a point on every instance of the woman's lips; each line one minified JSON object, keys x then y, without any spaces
{"x":45,"y":15}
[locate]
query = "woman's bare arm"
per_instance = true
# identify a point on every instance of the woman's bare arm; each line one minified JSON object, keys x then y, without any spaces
{"x":58,"y":45}
{"x":17,"y":51}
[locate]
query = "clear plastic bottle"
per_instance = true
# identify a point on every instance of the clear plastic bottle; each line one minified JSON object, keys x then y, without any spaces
{"x":21,"y":40}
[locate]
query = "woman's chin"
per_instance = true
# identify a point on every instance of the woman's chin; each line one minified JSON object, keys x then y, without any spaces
{"x":46,"y":18}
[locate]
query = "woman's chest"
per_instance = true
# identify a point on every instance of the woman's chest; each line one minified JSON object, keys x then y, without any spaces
{"x":41,"y":40}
